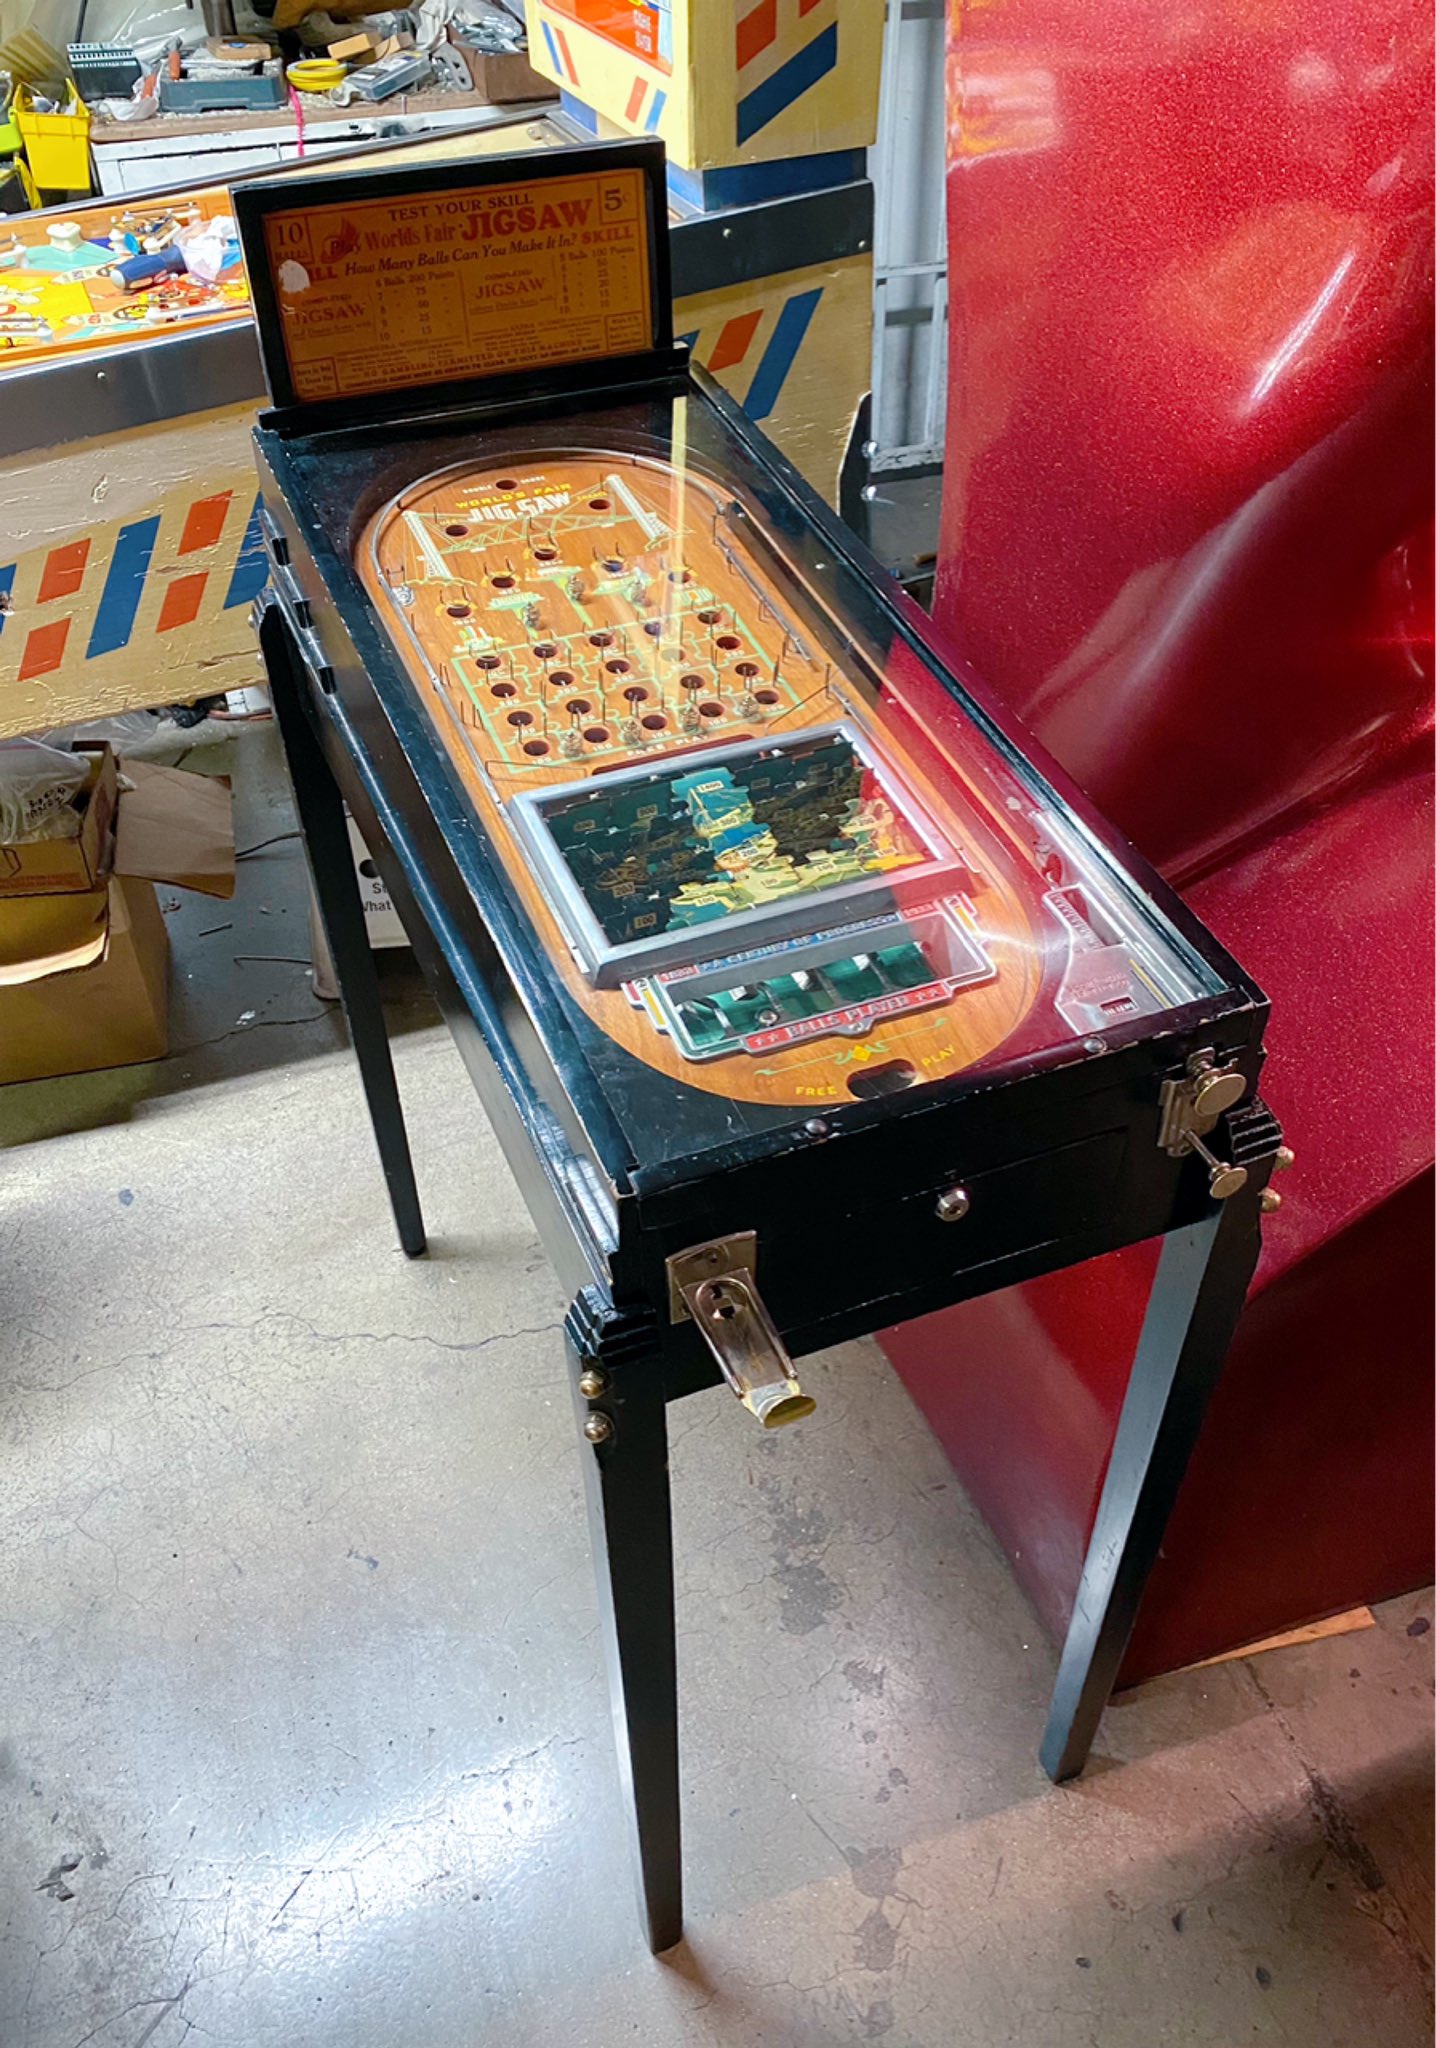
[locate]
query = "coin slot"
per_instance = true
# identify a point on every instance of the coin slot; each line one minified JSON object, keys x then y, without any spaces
{"x":869,"y":1084}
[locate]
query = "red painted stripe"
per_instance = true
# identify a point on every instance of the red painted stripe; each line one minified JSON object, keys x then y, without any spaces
{"x":182,"y":602}
{"x":757,"y":30}
{"x":635,"y":100}
{"x":44,"y":650}
{"x":562,"y":40}
{"x":64,"y":570}
{"x":204,"y":522}
{"x":733,"y":341}
{"x":807,"y":6}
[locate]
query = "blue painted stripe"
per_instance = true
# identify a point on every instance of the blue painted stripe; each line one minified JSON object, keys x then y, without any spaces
{"x":584,"y":116}
{"x":687,"y":340}
{"x":660,"y":101}
{"x":7,"y":584}
{"x":745,"y":184}
{"x":553,"y":50}
{"x":766,"y":101}
{"x":777,"y":358}
{"x":124,"y":586}
{"x":251,"y":564}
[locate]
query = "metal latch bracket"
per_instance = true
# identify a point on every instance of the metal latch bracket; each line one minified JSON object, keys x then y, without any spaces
{"x":713,"y":1286}
{"x":1192,"y":1104}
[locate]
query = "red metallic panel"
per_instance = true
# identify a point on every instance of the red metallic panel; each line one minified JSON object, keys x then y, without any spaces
{"x":1188,"y":480}
{"x":1311,"y":1486}
{"x":1187,"y":536}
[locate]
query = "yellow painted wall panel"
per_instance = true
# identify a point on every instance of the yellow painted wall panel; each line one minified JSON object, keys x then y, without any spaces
{"x":721,"y":82}
{"x":795,"y":351}
{"x":128,"y":565}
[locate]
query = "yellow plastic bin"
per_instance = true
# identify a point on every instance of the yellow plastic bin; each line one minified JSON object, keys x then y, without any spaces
{"x":10,"y":144}
{"x":57,"y":146}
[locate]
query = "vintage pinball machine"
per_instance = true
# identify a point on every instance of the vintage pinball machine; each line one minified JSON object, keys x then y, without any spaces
{"x":804,"y":995}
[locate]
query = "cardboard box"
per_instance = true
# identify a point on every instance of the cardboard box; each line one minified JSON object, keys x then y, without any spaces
{"x":83,"y":973}
{"x":360,"y":49}
{"x":720,"y":85}
{"x":43,"y":867}
{"x":505,"y":77}
{"x":100,"y":1001}
{"x":382,"y":925}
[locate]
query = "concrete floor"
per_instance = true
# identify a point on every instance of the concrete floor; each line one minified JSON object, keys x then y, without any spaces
{"x":302,"y":1734}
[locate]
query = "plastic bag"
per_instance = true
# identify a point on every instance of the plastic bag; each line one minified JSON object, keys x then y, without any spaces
{"x":38,"y":787}
{"x":125,"y":731}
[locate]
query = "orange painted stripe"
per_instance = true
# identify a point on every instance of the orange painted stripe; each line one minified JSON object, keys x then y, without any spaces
{"x":635,"y":100}
{"x":733,"y":341}
{"x":756,"y":31}
{"x":44,"y":650}
{"x":64,"y":570}
{"x":182,"y":602}
{"x":204,"y":522}
{"x":807,"y":6}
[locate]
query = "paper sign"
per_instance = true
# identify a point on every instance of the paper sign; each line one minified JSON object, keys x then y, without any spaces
{"x":421,"y":288}
{"x":645,"y":32}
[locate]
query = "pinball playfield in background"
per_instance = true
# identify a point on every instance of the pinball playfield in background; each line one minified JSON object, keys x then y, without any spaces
{"x":776,"y":864}
{"x":102,"y":276}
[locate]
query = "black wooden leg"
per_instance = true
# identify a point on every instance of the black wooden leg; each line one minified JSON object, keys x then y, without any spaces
{"x":1196,"y":1299}
{"x":618,"y":1397}
{"x":326,"y":842}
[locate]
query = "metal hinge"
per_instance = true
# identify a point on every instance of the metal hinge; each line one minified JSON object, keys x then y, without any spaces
{"x":297,"y":610}
{"x":712,"y":1285}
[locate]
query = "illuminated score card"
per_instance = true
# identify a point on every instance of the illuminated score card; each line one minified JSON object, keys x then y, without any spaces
{"x":376,"y":294}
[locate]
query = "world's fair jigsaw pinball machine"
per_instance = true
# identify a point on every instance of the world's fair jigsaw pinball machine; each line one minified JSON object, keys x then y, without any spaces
{"x":803,"y":997}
